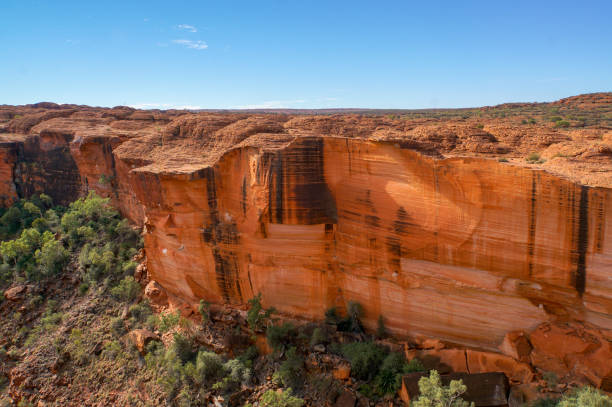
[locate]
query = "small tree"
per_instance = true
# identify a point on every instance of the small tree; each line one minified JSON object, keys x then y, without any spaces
{"x":434,"y":394}
{"x":255,"y":316}
{"x":585,"y":397}
{"x":127,"y":290}
{"x":272,"y":398}
{"x":204,"y":309}
{"x":291,"y":371}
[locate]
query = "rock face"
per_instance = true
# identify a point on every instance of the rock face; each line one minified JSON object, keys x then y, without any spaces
{"x":415,"y":219}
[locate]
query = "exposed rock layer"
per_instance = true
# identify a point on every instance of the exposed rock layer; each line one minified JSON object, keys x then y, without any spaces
{"x":416,"y":220}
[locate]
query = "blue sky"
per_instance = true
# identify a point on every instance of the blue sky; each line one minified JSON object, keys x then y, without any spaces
{"x":302,"y":54}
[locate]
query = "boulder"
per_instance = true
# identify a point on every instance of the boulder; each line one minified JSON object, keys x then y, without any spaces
{"x":442,"y":360}
{"x":140,"y":272}
{"x":319,"y":348}
{"x":473,"y":361}
{"x":141,"y":338}
{"x":156,"y":293}
{"x":342,"y":372}
{"x":481,"y":362}
{"x":573,"y":348}
{"x":517,"y":346}
{"x":16,"y":293}
{"x":432,"y":344}
{"x":346,"y":399}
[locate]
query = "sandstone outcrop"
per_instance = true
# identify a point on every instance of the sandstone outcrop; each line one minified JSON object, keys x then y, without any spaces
{"x":16,"y":293}
{"x":140,"y":338}
{"x":417,"y":219}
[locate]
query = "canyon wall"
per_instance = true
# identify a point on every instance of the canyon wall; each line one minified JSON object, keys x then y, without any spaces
{"x":465,"y":249}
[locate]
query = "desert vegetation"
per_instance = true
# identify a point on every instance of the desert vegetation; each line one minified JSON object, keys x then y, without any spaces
{"x":76,"y":329}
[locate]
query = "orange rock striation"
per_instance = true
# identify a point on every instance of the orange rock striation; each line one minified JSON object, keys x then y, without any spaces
{"x":415,"y":218}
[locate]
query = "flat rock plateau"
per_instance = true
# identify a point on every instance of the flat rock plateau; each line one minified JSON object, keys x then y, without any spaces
{"x":476,"y":227}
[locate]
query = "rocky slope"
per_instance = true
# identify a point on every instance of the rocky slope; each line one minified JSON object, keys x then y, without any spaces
{"x":462,"y":225}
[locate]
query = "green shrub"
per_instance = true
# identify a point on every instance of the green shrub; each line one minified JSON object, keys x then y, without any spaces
{"x":354,"y":311}
{"x":83,"y":287}
{"x":280,"y":336}
{"x":434,"y":394}
{"x":10,"y":222}
{"x":248,"y":356}
{"x":544,"y":402}
{"x":414,"y":365}
{"x":585,"y":396}
{"x":208,"y":367}
{"x":52,"y":256}
{"x":331,"y":316}
{"x":291,"y":371}
{"x":40,"y":224}
{"x":140,"y":312}
{"x":127,"y":290}
{"x":350,"y":323}
{"x":236,"y":373}
{"x":118,"y":327}
{"x":204,"y":309}
{"x":112,"y":350}
{"x":32,"y":209}
{"x":20,"y":251}
{"x":168,"y":321}
{"x":319,"y":337}
{"x":562,"y":123}
{"x":256,"y":315}
{"x":79,"y":349}
{"x":183,"y":347}
{"x":365,"y":358}
{"x":533,"y":157}
{"x":285,"y":398}
{"x":390,"y":373}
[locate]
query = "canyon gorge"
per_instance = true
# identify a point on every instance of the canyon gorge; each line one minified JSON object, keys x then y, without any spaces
{"x":475,"y":229}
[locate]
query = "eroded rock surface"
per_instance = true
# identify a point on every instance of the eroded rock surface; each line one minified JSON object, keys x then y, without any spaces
{"x":415,"y":218}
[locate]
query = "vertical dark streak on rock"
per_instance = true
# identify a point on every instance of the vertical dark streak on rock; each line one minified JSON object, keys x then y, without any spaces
{"x":532,"y":226}
{"x":53,"y":172}
{"x":298,"y":191}
{"x":601,"y":223}
{"x":244,"y":196}
{"x":276,"y":188}
{"x":436,"y":248}
{"x":219,"y":235}
{"x":583,"y":240}
{"x":114,"y":182}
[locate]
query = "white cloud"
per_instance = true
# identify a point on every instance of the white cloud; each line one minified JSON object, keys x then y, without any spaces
{"x":273,"y":104}
{"x":191,"y":44}
{"x":187,"y":27}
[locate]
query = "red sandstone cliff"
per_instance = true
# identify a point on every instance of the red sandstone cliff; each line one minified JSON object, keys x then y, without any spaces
{"x":416,"y":219}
